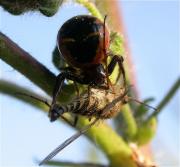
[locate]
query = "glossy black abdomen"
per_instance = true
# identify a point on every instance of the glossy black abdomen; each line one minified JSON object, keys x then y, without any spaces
{"x":79,"y":40}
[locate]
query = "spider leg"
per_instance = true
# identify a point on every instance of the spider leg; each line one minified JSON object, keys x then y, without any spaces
{"x":57,"y":88}
{"x":69,"y":74}
{"x":117,"y":59}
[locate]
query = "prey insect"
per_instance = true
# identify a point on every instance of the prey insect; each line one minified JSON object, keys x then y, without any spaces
{"x":100,"y":105}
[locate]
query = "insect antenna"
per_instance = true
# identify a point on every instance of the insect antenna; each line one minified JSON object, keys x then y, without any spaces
{"x":45,"y":102}
{"x":140,"y":102}
{"x":67,"y":142}
{"x":33,"y":97}
{"x":145,"y":104}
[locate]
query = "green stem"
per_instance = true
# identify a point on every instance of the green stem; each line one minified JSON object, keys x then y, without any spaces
{"x":12,"y":90}
{"x":131,"y":126}
{"x":23,"y":62}
{"x":167,"y":98}
{"x":91,"y":8}
{"x":36,"y":72}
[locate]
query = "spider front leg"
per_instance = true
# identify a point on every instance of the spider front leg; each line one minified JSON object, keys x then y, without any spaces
{"x":57,"y":88}
{"x":67,"y":73}
{"x":117,"y":59}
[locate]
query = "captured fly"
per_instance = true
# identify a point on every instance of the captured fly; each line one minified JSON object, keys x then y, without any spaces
{"x":98,"y":104}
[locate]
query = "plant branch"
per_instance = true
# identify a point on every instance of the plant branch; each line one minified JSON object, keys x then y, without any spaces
{"x":12,"y":90}
{"x":166,"y":98}
{"x":113,"y":11}
{"x":91,"y":8}
{"x":23,"y":62}
{"x":36,"y":72}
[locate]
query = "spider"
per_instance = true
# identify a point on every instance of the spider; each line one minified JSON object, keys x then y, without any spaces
{"x":83,"y":42}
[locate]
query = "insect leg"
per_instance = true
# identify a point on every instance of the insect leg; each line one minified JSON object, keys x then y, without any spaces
{"x":114,"y":102}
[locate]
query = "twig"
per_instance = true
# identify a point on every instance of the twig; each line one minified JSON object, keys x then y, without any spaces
{"x":166,"y":98}
{"x":22,"y":61}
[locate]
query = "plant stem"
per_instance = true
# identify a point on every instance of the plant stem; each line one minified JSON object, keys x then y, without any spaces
{"x":12,"y":90}
{"x":36,"y":72}
{"x":166,"y":98}
{"x":113,"y":11}
{"x":22,"y":61}
{"x":91,"y":8}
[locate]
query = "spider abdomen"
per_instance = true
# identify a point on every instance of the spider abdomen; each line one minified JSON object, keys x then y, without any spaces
{"x":81,"y":41}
